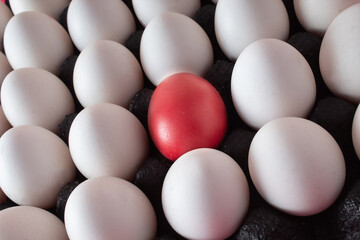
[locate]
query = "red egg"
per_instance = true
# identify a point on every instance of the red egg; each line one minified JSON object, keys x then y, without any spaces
{"x":186,"y":112}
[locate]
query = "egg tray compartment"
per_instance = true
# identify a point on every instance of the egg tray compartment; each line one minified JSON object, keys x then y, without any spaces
{"x":340,"y":221}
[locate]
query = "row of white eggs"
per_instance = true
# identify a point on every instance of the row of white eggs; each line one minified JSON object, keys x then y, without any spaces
{"x":337,"y":154}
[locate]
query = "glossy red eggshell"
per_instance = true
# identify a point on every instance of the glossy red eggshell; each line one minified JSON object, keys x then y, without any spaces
{"x":186,"y":112}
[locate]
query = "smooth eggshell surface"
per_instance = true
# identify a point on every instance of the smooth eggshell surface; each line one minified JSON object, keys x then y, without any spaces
{"x":271,"y":79}
{"x":5,"y":68}
{"x":106,"y":71}
{"x":316,"y":16}
{"x":4,"y":123}
{"x":52,"y":8}
{"x":205,"y":195}
{"x":5,"y":15}
{"x":186,"y":112}
{"x":33,"y":39}
{"x":102,"y":20}
{"x":109,"y":208}
{"x":31,"y":223}
{"x":107,"y":140}
{"x":241,"y":22}
{"x":296,"y":166}
{"x":173,"y":43}
{"x":35,"y":96}
{"x":356,"y":131}
{"x":340,"y":54}
{"x":145,"y":10}
{"x":35,"y":164}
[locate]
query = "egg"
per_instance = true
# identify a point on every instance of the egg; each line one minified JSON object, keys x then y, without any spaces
{"x":145,"y":10}
{"x":107,"y":140}
{"x":205,"y":195}
{"x":174,"y":43}
{"x":241,"y":22}
{"x":5,"y":15}
{"x":5,"y":68}
{"x":178,"y":119}
{"x":356,"y":131}
{"x":271,"y":79}
{"x":35,"y":96}
{"x":4,"y":123}
{"x":31,"y":223}
{"x":109,"y":208}
{"x":102,"y":20}
{"x":33,"y":39}
{"x":296,"y":166}
{"x":35,"y":164}
{"x":52,"y":8}
{"x":106,"y":71}
{"x":316,"y":16}
{"x":340,"y":53}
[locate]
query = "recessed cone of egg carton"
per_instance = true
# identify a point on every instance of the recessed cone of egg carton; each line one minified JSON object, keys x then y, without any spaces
{"x":165,"y":119}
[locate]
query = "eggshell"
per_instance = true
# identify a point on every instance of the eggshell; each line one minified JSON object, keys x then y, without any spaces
{"x":356,"y":131}
{"x":205,"y":195}
{"x":106,"y":71}
{"x":296,"y":166}
{"x":109,"y":208}
{"x":316,"y":16}
{"x":33,"y":39}
{"x":107,"y":140}
{"x":31,"y":223}
{"x":52,"y":8}
{"x":145,"y":10}
{"x":173,"y":43}
{"x":271,"y":79}
{"x":5,"y":68}
{"x":340,"y":54}
{"x":241,"y":22}
{"x":35,"y":96}
{"x":102,"y":20}
{"x":186,"y":112}
{"x":4,"y":123}
{"x":5,"y":15}
{"x":34,"y":165}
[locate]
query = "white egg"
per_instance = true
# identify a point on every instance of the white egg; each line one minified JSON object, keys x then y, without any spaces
{"x":35,"y":96}
{"x":4,"y":123}
{"x":35,"y":165}
{"x":340,"y":54}
{"x":5,"y":68}
{"x":316,"y":16}
{"x":109,"y":208}
{"x":31,"y":223}
{"x":107,"y":140}
{"x":145,"y":10}
{"x":241,"y":22}
{"x":356,"y":131}
{"x":33,"y":39}
{"x":296,"y":166}
{"x":102,"y":20}
{"x":205,"y":195}
{"x":52,"y":8}
{"x":106,"y":71}
{"x":271,"y":79}
{"x":173,"y":43}
{"x":5,"y":15}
